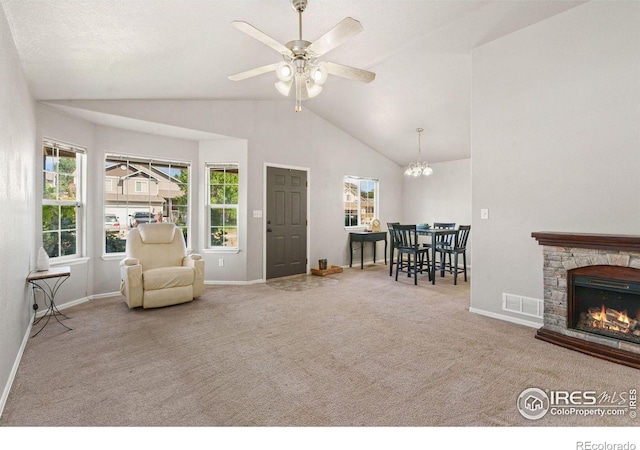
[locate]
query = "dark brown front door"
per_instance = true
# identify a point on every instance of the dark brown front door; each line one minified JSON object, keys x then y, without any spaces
{"x":286,"y":222}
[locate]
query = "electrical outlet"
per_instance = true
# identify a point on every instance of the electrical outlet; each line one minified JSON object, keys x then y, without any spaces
{"x":220,"y":262}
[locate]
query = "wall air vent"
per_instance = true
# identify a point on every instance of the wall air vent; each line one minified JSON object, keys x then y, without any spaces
{"x":523,"y":305}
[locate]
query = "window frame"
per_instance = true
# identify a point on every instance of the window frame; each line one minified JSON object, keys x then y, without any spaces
{"x":353,"y":179}
{"x":78,"y":203}
{"x":209,"y":206}
{"x":144,"y":187}
{"x":149,"y":164}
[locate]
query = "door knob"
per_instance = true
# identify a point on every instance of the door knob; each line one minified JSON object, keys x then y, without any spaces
{"x":269,"y":230}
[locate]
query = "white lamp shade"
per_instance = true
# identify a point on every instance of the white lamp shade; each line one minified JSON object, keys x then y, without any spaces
{"x":285,"y":71}
{"x":284,"y":87}
{"x":319,"y":74}
{"x":43,"y":260}
{"x":313,"y":89}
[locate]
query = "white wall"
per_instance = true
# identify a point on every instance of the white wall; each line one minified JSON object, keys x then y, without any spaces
{"x":17,"y":203}
{"x":115,"y":140}
{"x":234,"y":263}
{"x":555,"y":141}
{"x":63,"y":128}
{"x":276,"y":135}
{"x":99,"y":273}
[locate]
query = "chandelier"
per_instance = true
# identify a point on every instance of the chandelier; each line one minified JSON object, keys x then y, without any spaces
{"x":419,"y":167}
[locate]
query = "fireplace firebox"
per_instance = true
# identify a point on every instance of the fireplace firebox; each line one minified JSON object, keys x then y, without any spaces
{"x":609,"y":306}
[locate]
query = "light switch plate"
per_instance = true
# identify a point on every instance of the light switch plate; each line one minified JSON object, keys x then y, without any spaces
{"x":484,"y":213}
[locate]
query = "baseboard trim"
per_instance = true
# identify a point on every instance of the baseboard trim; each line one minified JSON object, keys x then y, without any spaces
{"x":517,"y":320}
{"x":105,"y":295}
{"x":14,"y":369}
{"x":64,"y":306}
{"x":80,"y":301}
{"x":234,"y":283}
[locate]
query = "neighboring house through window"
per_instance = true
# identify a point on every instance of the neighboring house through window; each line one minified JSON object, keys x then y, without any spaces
{"x":142,"y":191}
{"x":223,"y":205}
{"x":62,"y":199}
{"x":360,"y":201}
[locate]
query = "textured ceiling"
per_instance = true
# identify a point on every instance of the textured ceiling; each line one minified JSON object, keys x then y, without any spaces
{"x":185,"y":49}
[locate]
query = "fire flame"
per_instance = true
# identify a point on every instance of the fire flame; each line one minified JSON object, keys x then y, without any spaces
{"x":622,"y":317}
{"x":601,"y":316}
{"x":603,"y":322}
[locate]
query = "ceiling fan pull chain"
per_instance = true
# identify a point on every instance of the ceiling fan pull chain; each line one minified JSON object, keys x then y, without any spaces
{"x":299,"y":82}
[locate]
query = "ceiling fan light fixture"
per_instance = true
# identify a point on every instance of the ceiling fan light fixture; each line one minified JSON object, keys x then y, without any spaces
{"x":299,"y":64}
{"x":284,"y":71}
{"x":319,"y":74}
{"x":284,"y":87}
{"x":313,"y":88}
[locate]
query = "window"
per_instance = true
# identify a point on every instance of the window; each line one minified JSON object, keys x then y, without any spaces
{"x":143,"y":191}
{"x":360,"y":201}
{"x":62,"y":199}
{"x":142,"y":186}
{"x":223,"y":205}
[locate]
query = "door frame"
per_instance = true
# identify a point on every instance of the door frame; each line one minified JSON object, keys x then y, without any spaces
{"x":264,"y":213}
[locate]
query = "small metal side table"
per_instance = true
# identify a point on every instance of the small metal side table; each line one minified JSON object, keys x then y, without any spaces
{"x":48,"y":282}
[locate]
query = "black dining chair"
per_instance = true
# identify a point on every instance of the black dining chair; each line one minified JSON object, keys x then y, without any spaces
{"x":412,"y":257}
{"x":446,"y":240}
{"x":458,"y":248}
{"x":392,"y":246}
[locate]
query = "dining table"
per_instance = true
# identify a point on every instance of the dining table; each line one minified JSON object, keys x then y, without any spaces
{"x":434,"y":233}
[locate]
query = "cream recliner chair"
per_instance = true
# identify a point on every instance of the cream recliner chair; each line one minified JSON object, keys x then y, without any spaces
{"x":157,"y":270}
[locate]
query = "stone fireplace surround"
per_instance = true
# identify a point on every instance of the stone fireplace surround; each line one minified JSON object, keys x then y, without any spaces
{"x":564,"y":252}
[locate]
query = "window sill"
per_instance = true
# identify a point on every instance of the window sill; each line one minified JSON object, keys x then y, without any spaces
{"x":69,"y":262}
{"x":355,"y":228}
{"x":113,"y":256}
{"x":221,"y":250}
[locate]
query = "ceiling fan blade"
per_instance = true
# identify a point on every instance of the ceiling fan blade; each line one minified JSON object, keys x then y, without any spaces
{"x":349,"y":72}
{"x":337,"y":35}
{"x":259,"y":35}
{"x":253,"y":72}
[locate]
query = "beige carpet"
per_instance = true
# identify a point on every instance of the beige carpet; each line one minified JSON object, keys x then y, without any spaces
{"x":351,"y":349}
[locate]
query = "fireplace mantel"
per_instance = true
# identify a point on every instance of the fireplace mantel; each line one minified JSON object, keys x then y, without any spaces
{"x":622,"y":242}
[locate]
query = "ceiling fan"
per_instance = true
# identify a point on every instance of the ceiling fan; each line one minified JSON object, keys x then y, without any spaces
{"x":300,"y":66}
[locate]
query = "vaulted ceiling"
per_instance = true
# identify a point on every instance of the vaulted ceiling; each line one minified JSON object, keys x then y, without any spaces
{"x":185,"y":49}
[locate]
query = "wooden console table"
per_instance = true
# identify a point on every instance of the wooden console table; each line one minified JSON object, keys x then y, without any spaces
{"x":367,"y":236}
